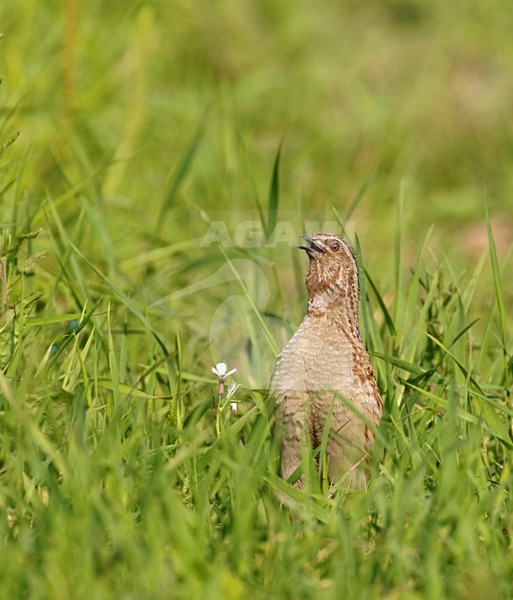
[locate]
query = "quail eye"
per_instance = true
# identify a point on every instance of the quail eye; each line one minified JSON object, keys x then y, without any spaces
{"x":335,"y":246}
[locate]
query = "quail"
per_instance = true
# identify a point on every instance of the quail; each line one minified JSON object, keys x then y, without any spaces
{"x":323,"y":382}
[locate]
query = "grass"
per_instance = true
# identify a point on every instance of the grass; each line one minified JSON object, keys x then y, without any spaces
{"x":114,"y":481}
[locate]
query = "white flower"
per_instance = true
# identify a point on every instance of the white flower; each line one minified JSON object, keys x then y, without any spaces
{"x":233,"y":406}
{"x":220,"y":371}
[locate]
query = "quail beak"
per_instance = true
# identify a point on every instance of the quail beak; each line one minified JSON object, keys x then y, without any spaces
{"x":313,"y":248}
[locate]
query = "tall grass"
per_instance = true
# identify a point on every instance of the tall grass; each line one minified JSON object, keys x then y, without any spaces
{"x":114,"y":480}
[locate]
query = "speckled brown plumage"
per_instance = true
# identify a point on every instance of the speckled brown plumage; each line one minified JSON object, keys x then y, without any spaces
{"x":323,"y":376}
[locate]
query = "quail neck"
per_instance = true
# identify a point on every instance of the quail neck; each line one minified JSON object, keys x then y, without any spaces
{"x":332,"y":281}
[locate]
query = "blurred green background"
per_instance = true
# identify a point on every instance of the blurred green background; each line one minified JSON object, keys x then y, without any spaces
{"x":142,"y":122}
{"x":415,"y":98}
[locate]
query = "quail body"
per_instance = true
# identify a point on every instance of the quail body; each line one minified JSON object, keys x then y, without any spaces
{"x":323,"y":381}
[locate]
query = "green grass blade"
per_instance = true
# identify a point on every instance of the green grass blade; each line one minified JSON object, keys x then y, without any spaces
{"x":274,"y":194}
{"x":181,"y":173}
{"x":499,"y":295}
{"x":359,"y":196}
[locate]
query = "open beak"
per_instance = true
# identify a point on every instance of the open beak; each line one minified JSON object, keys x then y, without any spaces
{"x":313,"y":248}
